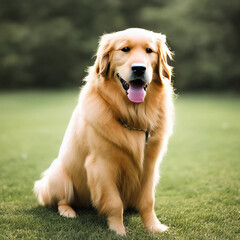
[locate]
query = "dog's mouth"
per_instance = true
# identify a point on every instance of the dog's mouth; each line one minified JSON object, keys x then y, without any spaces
{"x":135,"y":89}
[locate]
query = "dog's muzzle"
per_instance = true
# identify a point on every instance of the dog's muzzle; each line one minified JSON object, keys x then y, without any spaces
{"x":137,"y":86}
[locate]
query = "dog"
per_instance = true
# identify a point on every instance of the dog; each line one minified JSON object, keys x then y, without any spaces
{"x":118,"y":133}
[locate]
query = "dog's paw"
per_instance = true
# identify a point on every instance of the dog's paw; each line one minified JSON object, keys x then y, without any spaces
{"x":158,"y":228}
{"x":66,"y":211}
{"x":116,"y":225}
{"x":153,"y":225}
{"x":120,"y":230}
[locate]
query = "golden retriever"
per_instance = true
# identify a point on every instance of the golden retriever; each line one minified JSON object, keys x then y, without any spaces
{"x":118,"y":133}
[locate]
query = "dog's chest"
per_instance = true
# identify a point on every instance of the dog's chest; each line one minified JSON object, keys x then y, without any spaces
{"x":130,"y":176}
{"x":129,"y":185}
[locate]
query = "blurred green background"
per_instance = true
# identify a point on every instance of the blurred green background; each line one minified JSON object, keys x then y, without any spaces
{"x":49,"y":43}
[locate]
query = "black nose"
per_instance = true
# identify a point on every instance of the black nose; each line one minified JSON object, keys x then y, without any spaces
{"x":138,"y":69}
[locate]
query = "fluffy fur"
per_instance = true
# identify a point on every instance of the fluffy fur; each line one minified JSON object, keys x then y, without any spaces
{"x":101,"y":162}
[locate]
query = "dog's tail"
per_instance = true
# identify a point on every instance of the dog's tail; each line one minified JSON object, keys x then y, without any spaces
{"x":41,"y":190}
{"x":54,"y":186}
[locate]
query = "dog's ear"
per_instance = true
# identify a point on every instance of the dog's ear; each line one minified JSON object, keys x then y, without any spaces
{"x":102,"y":63}
{"x":165,"y":70}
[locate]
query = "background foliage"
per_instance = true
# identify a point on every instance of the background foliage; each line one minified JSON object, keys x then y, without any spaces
{"x":50,"y":43}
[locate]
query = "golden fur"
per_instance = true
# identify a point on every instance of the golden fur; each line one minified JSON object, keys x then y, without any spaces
{"x":100,"y":161}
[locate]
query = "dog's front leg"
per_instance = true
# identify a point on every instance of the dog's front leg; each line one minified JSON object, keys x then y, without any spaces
{"x":147,"y":198}
{"x":104,"y":192}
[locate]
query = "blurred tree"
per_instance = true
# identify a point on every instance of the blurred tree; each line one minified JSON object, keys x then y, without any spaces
{"x":204,"y":35}
{"x":50,"y":43}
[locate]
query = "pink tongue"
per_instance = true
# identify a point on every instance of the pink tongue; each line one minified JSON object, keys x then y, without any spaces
{"x":136,"y":93}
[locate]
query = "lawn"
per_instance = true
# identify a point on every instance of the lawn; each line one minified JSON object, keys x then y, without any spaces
{"x":198,"y":195}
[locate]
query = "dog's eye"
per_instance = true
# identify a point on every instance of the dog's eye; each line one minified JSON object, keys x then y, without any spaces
{"x":125,"y":49}
{"x":149,"y":50}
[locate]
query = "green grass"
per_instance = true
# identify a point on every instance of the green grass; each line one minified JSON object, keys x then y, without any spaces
{"x":198,"y":195}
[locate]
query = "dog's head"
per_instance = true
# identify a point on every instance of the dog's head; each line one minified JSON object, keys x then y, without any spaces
{"x":134,"y":58}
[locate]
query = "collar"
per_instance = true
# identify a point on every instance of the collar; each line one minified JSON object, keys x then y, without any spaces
{"x":135,"y":129}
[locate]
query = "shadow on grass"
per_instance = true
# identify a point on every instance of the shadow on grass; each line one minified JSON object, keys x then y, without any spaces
{"x":87,"y":225}
{"x":83,"y":215}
